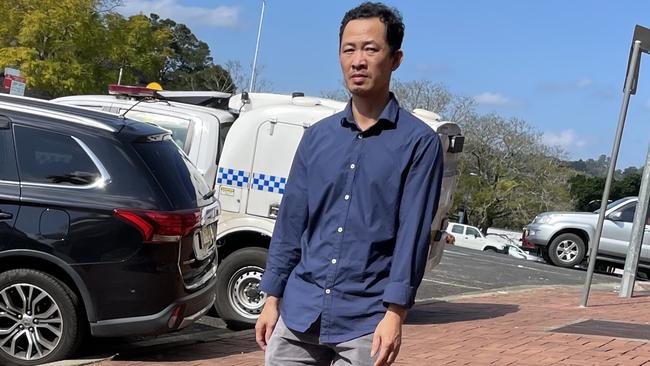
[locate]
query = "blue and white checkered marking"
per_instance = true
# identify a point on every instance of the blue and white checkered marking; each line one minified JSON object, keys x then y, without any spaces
{"x":269,"y":183}
{"x":231,"y":177}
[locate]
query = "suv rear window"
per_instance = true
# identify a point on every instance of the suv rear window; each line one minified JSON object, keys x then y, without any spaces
{"x":51,"y":158}
{"x":176,"y":175}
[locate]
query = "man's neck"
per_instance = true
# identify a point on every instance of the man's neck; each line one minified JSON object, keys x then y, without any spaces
{"x":367,"y":110}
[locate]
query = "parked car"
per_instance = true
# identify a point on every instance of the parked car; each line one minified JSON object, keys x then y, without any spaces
{"x":105,"y":227}
{"x":471,"y":237}
{"x":563,"y":238}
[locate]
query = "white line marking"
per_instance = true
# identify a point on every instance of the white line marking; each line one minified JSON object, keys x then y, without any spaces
{"x":451,"y":284}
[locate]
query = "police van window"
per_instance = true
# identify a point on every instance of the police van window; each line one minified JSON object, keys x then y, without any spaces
{"x":179,"y":127}
{"x":457,"y":229}
{"x":7,"y":156}
{"x":51,"y":158}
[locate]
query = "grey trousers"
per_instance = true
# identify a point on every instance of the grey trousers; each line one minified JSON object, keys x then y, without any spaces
{"x":290,"y":348}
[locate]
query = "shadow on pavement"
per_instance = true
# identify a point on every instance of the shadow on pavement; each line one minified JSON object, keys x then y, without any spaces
{"x":446,"y":312}
{"x":234,"y":344}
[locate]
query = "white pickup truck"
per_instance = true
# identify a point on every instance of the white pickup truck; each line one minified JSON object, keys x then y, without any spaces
{"x":244,"y":146}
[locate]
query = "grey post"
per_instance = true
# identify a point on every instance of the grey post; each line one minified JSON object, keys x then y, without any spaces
{"x":630,"y":87}
{"x":638,"y":229}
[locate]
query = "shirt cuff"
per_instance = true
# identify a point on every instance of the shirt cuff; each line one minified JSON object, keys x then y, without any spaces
{"x":273,"y":284}
{"x":399,"y":294}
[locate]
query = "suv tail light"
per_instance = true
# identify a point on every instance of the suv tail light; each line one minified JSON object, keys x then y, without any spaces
{"x":160,"y":226}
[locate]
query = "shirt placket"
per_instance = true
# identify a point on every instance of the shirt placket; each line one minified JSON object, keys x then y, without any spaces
{"x":351,"y":167}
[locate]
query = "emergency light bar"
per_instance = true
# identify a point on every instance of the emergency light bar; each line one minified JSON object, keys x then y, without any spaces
{"x":132,"y":91}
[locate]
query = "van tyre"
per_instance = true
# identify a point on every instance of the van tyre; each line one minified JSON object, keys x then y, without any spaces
{"x":239,"y":299}
{"x":567,"y":250}
{"x":42,"y":316}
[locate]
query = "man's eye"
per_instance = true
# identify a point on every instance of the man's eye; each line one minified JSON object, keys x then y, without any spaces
{"x":371,"y":49}
{"x":348,"y":50}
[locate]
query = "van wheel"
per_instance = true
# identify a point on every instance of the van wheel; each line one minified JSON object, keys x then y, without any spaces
{"x":567,"y":250}
{"x":39,"y":318}
{"x":239,"y":299}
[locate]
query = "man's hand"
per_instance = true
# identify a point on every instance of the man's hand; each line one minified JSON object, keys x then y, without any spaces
{"x":388,"y":336}
{"x":267,"y":320}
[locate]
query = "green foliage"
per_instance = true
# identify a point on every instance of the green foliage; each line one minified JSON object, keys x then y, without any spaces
{"x":68,"y":47}
{"x":507,"y":174}
{"x":587,"y":191}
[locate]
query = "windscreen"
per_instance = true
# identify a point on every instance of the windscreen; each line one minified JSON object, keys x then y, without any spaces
{"x":179,"y":127}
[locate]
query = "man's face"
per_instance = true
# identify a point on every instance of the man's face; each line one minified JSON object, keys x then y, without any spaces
{"x":365,"y":56}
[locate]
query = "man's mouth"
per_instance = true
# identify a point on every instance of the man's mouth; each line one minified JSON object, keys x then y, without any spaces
{"x":358,"y":78}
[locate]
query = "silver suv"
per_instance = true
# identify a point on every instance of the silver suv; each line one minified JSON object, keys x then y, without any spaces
{"x":563,"y":238}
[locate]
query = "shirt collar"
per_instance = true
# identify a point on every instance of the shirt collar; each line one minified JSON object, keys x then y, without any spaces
{"x":389,"y":114}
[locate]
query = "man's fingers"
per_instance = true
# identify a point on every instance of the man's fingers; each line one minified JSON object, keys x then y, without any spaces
{"x":383,"y":356}
{"x":375,"y":345}
{"x":393,"y":355}
{"x":259,"y":336}
{"x":269,"y":332}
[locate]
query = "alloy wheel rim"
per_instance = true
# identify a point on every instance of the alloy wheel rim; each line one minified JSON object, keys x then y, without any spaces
{"x":244,"y":292}
{"x":31,"y":324}
{"x":567,"y":250}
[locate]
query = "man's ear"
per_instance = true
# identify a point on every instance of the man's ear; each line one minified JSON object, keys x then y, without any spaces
{"x":397,"y":59}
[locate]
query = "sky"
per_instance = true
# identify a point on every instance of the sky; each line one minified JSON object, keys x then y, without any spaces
{"x":559,"y":65}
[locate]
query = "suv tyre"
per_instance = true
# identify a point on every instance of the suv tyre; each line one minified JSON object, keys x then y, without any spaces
{"x":567,"y":250}
{"x":41,"y":315}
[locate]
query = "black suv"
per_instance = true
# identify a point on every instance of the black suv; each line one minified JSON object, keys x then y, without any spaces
{"x":105,"y":227}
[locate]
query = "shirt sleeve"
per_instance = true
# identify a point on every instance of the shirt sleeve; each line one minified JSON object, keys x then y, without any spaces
{"x":418,"y":206}
{"x":285,"y":249}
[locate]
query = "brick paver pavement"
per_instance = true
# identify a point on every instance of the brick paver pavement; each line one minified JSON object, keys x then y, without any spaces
{"x":505,"y":328}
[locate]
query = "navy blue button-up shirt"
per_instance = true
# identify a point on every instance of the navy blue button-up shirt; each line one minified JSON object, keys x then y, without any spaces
{"x":352,"y":234}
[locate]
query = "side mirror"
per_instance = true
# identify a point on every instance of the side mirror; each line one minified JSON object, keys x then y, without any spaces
{"x":476,"y":236}
{"x":615,"y":216}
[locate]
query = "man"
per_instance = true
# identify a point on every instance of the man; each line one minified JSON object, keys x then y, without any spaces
{"x":351,"y":240}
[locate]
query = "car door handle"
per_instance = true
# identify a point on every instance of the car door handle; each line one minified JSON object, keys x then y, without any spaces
{"x":6,"y":216}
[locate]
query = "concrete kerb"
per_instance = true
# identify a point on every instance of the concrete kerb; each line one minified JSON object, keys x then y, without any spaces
{"x":610,"y":286}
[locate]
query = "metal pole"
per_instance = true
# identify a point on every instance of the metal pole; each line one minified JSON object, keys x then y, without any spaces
{"x":610,"y":174}
{"x":119,"y":78}
{"x":257,"y":48}
{"x":638,"y":229}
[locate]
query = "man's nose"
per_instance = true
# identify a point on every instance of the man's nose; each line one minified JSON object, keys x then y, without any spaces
{"x":359,"y":61}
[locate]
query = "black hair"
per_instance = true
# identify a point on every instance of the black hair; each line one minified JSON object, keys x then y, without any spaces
{"x":391,"y":18}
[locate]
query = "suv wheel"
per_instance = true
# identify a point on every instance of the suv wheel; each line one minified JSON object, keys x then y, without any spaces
{"x":39,"y":318}
{"x":567,"y":250}
{"x":239,"y":299}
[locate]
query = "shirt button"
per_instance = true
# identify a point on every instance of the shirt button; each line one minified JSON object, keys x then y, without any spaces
{"x":359,"y":136}
{"x":328,"y":291}
{"x":347,"y":197}
{"x":340,"y":230}
{"x":333,"y":261}
{"x":352,"y":166}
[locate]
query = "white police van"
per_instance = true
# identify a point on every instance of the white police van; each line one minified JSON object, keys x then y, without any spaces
{"x":245,"y":147}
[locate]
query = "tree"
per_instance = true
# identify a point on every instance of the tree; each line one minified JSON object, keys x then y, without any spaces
{"x":507,"y":174}
{"x":54,"y":43}
{"x":190,"y":66}
{"x":137,"y":47}
{"x":433,"y":97}
{"x":587,"y":191}
{"x":78,"y":46}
